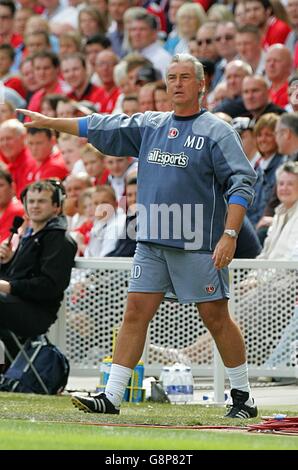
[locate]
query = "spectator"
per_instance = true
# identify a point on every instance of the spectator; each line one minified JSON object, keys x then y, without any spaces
{"x":91,"y":22}
{"x":146,"y":97}
{"x":292,"y":94}
{"x":6,"y":77}
{"x":266,"y":142}
{"x":189,"y":18}
{"x":225,"y":40}
{"x":130,"y":105}
{"x":69,"y":43}
{"x":70,"y":147}
{"x":162,"y":100}
{"x":235,"y":72}
{"x":15,"y":154}
{"x":120,"y":170}
{"x":104,"y":67}
{"x":206,"y":41}
{"x":249,"y":47}
{"x":291,"y":42}
{"x":93,"y":46}
{"x":49,"y":104}
{"x":61,"y":18}
{"x":28,"y":78}
{"x":21,"y":17}
{"x":66,"y":107}
{"x":260,"y":13}
{"x":143,"y":37}
{"x":255,"y":94}
{"x":33,"y":278}
{"x":126,"y":244}
{"x":108,"y":226}
{"x":93,"y":161}
{"x":278,"y":68}
{"x":7,"y":111}
{"x":74,"y":71}
{"x":74,"y":186}
{"x":9,"y":205}
{"x":46,"y":71}
{"x":49,"y":161}
{"x":117,"y":8}
{"x":7,"y":34}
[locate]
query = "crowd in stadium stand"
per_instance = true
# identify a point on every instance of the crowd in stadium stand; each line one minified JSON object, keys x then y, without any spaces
{"x":71,"y":58}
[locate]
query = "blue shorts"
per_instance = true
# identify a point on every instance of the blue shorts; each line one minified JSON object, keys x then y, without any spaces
{"x":183,"y":275}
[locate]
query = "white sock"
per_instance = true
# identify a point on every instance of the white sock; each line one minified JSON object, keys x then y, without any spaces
{"x":238,"y":377}
{"x":117,"y":383}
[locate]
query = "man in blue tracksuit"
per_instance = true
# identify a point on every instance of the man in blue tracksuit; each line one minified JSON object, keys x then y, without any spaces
{"x":194,"y":185}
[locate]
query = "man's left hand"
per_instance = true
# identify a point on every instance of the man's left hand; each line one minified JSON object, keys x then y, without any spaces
{"x":224,"y":251}
{"x":4,"y":287}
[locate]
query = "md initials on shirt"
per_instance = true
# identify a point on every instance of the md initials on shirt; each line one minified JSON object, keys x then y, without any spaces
{"x":194,"y":142}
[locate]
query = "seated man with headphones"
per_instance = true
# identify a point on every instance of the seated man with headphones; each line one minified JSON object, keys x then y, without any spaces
{"x":34,"y":277}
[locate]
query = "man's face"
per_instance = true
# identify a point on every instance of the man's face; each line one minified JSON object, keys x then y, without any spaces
{"x":40,"y":146}
{"x":183,"y":86}
{"x":146,"y":99}
{"x":141,"y":35}
{"x":225,"y":40}
{"x":278,"y":64}
{"x":104,"y":66}
{"x":28,"y":77}
{"x":44,"y":72}
{"x":73,"y":72}
{"x":117,"y":8}
{"x":94,"y":165}
{"x":74,"y":187}
{"x":130,"y":107}
{"x":234,"y":77}
{"x":40,"y":207}
{"x":131,"y":196}
{"x":248,"y":46}
{"x":292,"y":10}
{"x":255,"y":14}
{"x":254,"y":93}
{"x":6,"y":193}
{"x":117,"y":165}
{"x":282,"y":135}
{"x":91,"y":51}
{"x":6,"y":21}
{"x":11,"y":143}
{"x":36,"y":43}
{"x":206,"y":44}
{"x":105,"y":206}
{"x":5,"y":63}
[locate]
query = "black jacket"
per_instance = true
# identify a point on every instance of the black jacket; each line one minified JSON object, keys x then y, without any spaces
{"x":40,"y":270}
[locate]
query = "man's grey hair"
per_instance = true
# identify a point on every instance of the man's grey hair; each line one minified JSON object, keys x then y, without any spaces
{"x":290,"y":121}
{"x":287,"y":167}
{"x":199,"y":69}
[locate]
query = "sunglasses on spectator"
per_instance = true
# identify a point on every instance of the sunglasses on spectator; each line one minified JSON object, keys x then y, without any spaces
{"x":204,"y":41}
{"x":227,"y":37}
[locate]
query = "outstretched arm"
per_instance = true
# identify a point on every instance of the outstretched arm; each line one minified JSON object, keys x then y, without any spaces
{"x":68,"y":125}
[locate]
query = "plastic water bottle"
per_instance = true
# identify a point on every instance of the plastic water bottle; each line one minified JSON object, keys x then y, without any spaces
{"x":188,"y":382}
{"x":177,"y":383}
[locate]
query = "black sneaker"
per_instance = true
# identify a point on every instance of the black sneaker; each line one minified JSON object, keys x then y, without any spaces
{"x":239,"y":409}
{"x":94,"y":404}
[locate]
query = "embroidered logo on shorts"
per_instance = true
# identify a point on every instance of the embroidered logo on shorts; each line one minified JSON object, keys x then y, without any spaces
{"x":210,"y":289}
{"x":136,"y":271}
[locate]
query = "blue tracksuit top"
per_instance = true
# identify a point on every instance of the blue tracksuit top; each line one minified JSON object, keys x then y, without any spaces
{"x":189,"y":168}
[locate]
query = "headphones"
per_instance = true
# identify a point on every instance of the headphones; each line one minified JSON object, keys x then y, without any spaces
{"x":55,"y":185}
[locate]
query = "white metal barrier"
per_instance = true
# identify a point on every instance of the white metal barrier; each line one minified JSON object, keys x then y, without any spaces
{"x":263,"y":297}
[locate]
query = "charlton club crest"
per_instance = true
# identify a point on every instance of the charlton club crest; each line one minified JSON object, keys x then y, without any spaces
{"x":210,"y":289}
{"x":173,"y":133}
